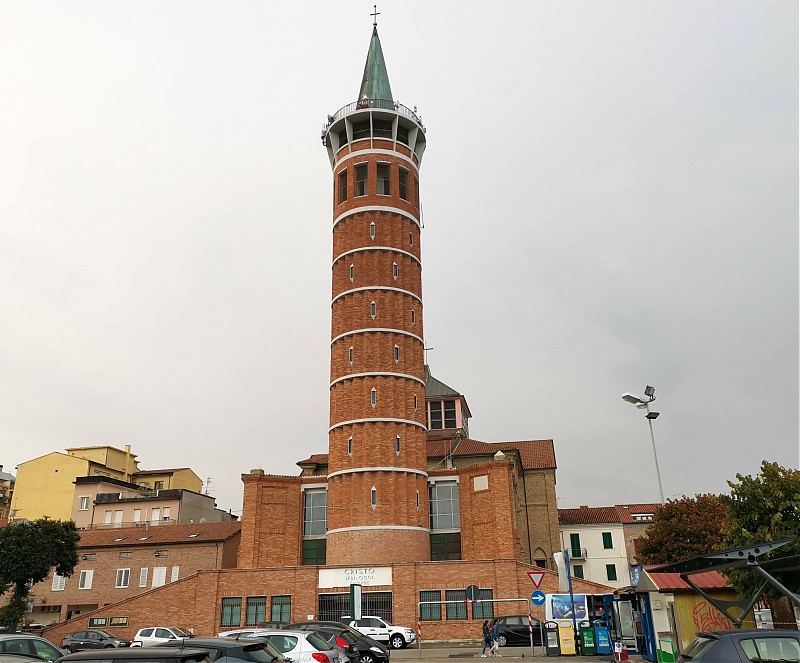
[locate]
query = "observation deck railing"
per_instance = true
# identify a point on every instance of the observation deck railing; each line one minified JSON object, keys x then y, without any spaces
{"x":385,"y":104}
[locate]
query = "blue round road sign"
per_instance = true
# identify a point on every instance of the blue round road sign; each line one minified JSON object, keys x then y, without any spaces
{"x":538,"y":598}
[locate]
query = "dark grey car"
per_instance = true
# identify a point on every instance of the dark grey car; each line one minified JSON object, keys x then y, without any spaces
{"x":225,"y":650}
{"x":745,"y":646}
{"x":92,"y":639}
{"x":26,"y":644}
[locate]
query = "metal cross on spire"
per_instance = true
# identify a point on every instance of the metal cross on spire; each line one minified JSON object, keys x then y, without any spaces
{"x":375,"y":13}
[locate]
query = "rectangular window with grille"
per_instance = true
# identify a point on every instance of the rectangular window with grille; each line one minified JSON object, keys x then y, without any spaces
{"x":435,"y":420}
{"x":343,"y":186}
{"x":59,"y":582}
{"x":444,"y":505}
{"x":314,"y":552}
{"x":445,"y":546}
{"x":483,"y":610}
{"x":361,"y":179}
{"x":256,"y":610}
{"x":456,"y":610}
{"x":315,"y":512}
{"x":123,"y":578}
{"x":449,"y":414}
{"x":281,"y":608}
{"x":403,"y":189}
{"x":231,"y":614}
{"x":384,"y":179}
{"x":143,"y":577}
{"x":431,"y":612}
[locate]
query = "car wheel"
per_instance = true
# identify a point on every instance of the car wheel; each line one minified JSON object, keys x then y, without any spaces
{"x":109,"y":647}
{"x":367,"y":658}
{"x":397,"y":641}
{"x":502,"y":640}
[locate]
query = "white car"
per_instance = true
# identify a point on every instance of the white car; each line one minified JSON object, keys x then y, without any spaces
{"x":376,"y":628}
{"x":155,"y":635}
{"x":297,"y":646}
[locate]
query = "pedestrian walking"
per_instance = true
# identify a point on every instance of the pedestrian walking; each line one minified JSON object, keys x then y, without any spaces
{"x":495,"y":634}
{"x":487,"y":637}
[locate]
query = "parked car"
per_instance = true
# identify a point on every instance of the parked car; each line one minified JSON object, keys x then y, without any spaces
{"x":378,"y":629}
{"x":140,"y":655}
{"x":754,"y":645}
{"x":369,"y":650}
{"x":244,"y":632}
{"x":155,"y":635}
{"x":230,"y":650}
{"x":18,"y":658}
{"x":29,"y":645}
{"x":91,"y":639}
{"x":513,"y":630}
{"x":273,"y":624}
{"x":341,"y":638}
{"x":301,"y":646}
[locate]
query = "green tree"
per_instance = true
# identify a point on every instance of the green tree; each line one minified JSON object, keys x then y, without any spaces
{"x":683,"y":529}
{"x":760,"y":509}
{"x":28,"y":551}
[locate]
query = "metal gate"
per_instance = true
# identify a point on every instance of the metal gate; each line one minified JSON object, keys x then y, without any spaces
{"x":332,"y":607}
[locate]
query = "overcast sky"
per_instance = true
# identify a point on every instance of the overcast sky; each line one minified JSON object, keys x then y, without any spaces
{"x":610,"y":196}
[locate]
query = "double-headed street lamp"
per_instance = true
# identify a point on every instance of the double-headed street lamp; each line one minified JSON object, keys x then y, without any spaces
{"x":644,"y":404}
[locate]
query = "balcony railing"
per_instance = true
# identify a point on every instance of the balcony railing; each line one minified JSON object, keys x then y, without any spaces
{"x":385,"y":104}
{"x":577,"y":553}
{"x":138,"y":523}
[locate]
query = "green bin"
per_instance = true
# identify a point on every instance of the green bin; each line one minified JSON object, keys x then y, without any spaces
{"x":586,"y":633}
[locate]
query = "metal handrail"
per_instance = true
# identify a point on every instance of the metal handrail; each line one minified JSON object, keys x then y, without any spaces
{"x":364,"y":104}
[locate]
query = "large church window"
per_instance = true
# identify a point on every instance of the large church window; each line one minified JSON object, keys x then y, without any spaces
{"x":444,"y":506}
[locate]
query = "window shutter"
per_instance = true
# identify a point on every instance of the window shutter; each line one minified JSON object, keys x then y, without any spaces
{"x":143,"y":577}
{"x":175,"y":573}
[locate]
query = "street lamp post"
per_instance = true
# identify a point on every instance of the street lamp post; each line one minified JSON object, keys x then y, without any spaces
{"x":642,"y":404}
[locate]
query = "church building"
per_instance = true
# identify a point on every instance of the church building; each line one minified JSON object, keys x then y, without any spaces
{"x":404,"y":502}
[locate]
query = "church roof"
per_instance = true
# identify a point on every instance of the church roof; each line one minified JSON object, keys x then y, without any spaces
{"x":533,"y":454}
{"x":436,"y":388}
{"x":375,"y":83}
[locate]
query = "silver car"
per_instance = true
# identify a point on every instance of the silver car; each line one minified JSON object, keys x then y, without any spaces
{"x":29,"y":645}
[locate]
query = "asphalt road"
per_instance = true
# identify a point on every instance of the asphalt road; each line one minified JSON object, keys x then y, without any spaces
{"x":451,"y":652}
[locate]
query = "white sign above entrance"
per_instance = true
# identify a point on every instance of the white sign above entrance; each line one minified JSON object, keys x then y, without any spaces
{"x":360,"y":575}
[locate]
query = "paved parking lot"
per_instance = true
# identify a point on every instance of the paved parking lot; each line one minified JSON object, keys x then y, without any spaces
{"x":451,"y":652}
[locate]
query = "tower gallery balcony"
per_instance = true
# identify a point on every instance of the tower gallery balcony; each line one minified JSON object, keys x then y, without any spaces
{"x":383,"y":104}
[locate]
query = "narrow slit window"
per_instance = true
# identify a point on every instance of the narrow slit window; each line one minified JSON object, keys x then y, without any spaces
{"x":373,"y":309}
{"x":372,"y":231}
{"x":352,"y":272}
{"x":361,"y":179}
{"x":350,"y":354}
{"x":349,"y":446}
{"x":343,"y":186}
{"x":397,"y":444}
{"x":411,"y":239}
{"x":413,"y":316}
{"x":416,"y":192}
{"x":403,"y":188}
{"x":373,"y":497}
{"x":395,"y":271}
{"x":415,"y":402}
{"x":373,"y":397}
{"x":384,"y":179}
{"x":418,"y":499}
{"x":396,"y":353}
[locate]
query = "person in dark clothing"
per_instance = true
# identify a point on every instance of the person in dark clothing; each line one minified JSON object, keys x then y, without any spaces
{"x":487,"y":637}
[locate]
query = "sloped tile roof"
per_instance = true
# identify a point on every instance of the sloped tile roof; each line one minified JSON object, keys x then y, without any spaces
{"x":627,"y":511}
{"x":585,"y":515}
{"x":160,"y":535}
{"x":708,"y":580}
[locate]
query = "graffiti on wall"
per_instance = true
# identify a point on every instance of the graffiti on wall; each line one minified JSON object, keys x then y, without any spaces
{"x":707,"y":618}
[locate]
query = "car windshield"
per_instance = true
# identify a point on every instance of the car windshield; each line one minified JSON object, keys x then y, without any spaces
{"x":258,"y":653}
{"x":181,"y":633}
{"x":698,"y":648}
{"x":317,"y":642}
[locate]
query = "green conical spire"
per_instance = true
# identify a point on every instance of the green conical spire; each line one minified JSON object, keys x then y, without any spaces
{"x":375,"y":84}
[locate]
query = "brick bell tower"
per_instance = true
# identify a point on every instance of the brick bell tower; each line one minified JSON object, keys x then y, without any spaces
{"x":377,"y":481}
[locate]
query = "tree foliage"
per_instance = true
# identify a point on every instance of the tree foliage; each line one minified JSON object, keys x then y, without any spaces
{"x":683,"y":529}
{"x":28,"y":551}
{"x":765,"y":508}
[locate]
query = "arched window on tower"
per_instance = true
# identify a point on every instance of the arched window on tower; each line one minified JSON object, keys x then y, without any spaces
{"x":397,"y":444}
{"x":372,"y":231}
{"x":395,"y":271}
{"x":413,"y":317}
{"x":396,"y":353}
{"x":350,"y":354}
{"x":349,"y":446}
{"x":411,"y":239}
{"x":418,"y":499}
{"x":373,"y":499}
{"x":352,"y":272}
{"x":373,"y":309}
{"x":373,"y":397}
{"x":415,"y":402}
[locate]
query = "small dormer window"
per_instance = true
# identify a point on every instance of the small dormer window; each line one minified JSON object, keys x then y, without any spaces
{"x":373,"y":309}
{"x":395,"y":271}
{"x":442,"y":415}
{"x":352,"y":272}
{"x":373,"y":397}
{"x":372,"y":231}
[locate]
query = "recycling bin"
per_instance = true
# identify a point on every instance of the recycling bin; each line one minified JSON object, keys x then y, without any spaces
{"x":566,"y":638}
{"x":586,"y":633}
{"x":551,"y":639}
{"x":602,"y":638}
